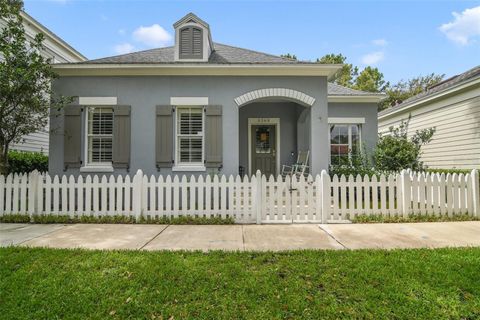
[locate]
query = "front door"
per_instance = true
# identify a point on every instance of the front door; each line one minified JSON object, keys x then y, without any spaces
{"x":264,"y":153}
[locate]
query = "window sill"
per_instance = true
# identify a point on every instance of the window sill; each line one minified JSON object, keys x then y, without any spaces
{"x":189,"y":168}
{"x":96,"y":169}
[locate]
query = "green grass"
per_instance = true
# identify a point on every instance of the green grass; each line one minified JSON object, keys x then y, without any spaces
{"x":412,"y":218}
{"x":65,"y":219}
{"x":398,"y":284}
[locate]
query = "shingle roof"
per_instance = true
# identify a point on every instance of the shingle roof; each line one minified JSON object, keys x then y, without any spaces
{"x":338,"y":90}
{"x":223,"y":54}
{"x":445,"y":84}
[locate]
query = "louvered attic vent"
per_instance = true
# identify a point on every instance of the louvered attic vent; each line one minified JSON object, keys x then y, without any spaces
{"x":191,"y":46}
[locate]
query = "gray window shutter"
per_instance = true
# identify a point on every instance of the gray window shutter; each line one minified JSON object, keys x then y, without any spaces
{"x":164,"y":137}
{"x":72,"y":138}
{"x":121,"y":137}
{"x":213,"y":136}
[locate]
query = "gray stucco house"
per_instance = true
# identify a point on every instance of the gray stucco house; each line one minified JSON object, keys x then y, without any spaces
{"x":204,"y":107}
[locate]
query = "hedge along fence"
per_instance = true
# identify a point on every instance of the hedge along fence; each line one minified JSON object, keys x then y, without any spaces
{"x":257,"y":199}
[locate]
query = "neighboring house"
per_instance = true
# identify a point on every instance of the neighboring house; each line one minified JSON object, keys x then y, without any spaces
{"x":453,"y":108}
{"x":59,"y":51}
{"x":204,"y":107}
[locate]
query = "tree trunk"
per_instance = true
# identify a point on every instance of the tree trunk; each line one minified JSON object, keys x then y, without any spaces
{"x":3,"y":160}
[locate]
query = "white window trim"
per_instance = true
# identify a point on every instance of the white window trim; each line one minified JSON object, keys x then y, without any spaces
{"x":97,"y":101}
{"x":196,"y":167}
{"x":92,"y":167}
{"x":189,"y":101}
{"x":360,"y":129}
{"x":346,"y":120}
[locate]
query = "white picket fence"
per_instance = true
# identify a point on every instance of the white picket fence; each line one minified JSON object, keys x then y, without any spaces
{"x":258,"y":199}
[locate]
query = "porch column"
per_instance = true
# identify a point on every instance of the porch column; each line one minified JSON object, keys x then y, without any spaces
{"x":230,"y":139}
{"x":319,"y":144}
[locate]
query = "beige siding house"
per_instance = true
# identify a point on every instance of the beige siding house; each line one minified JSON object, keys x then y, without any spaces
{"x":60,"y":52}
{"x":453,"y":108}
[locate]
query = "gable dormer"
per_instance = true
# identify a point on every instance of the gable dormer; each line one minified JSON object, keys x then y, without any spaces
{"x":193,"y":41}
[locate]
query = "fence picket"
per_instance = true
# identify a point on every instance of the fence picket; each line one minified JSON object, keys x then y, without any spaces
{"x":375,"y":203}
{"x":391,"y":196}
{"x":111,"y":195}
{"x":223,"y":197}
{"x":62,"y":194}
{"x":383,"y":194}
{"x":176,"y":196}
{"x":81,"y":207}
{"x":160,"y":187}
{"x":2,"y":195}
{"x":70,"y":208}
{"x":23,"y":194}
{"x":200,"y":199}
{"x":449,"y":192}
{"x":184,"y":195}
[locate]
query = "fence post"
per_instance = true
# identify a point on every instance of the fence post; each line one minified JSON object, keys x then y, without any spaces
{"x":475,"y":193}
{"x":325,"y":194}
{"x":32,"y":192}
{"x":405,"y":186}
{"x":137,"y":194}
{"x":258,"y":197}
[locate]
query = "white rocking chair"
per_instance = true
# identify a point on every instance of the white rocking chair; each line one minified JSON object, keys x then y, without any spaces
{"x":299,"y":168}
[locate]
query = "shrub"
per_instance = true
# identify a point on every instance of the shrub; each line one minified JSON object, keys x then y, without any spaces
{"x":354,"y":165}
{"x":395,"y":151}
{"x":24,"y":162}
{"x":451,"y":171}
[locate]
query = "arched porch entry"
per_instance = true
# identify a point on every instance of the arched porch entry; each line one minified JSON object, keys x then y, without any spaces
{"x":274,"y":125}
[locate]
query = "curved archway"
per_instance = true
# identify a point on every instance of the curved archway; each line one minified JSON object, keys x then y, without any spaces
{"x":263,"y":94}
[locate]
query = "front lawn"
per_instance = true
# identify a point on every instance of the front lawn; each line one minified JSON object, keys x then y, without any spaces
{"x":400,"y":284}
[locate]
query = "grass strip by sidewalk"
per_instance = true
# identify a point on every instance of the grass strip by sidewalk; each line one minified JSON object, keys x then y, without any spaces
{"x":364,"y":284}
{"x":116,"y":219}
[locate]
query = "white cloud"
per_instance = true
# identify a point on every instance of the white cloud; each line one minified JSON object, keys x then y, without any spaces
{"x":122,"y":32}
{"x":153,"y":36}
{"x":373,"y":58}
{"x":123,"y":48}
{"x":380,"y":42}
{"x":464,"y":27}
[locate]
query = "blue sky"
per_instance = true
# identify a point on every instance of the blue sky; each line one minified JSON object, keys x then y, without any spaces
{"x":402,"y":38}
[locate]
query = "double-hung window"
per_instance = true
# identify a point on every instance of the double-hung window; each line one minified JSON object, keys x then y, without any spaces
{"x":190,"y":136}
{"x":99,"y":136}
{"x":344,"y":142}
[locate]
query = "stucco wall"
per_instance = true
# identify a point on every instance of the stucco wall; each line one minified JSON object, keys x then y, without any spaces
{"x":359,"y":110}
{"x":144,"y":93}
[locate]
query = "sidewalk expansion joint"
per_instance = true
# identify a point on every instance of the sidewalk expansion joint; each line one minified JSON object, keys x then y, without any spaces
{"x":63,"y":226}
{"x":148,"y":242}
{"x":332,"y":236}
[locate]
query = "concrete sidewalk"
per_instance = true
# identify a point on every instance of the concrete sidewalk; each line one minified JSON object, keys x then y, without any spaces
{"x":243,"y":237}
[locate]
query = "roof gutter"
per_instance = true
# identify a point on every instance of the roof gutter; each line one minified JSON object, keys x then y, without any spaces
{"x":310,"y":70}
{"x":373,"y":98}
{"x":438,"y":95}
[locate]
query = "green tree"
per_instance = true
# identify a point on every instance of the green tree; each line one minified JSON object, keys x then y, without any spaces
{"x":395,"y":151}
{"x":347,"y":74}
{"x":289,"y":56}
{"x":403,"y":90}
{"x":25,"y":78}
{"x":371,"y":80}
